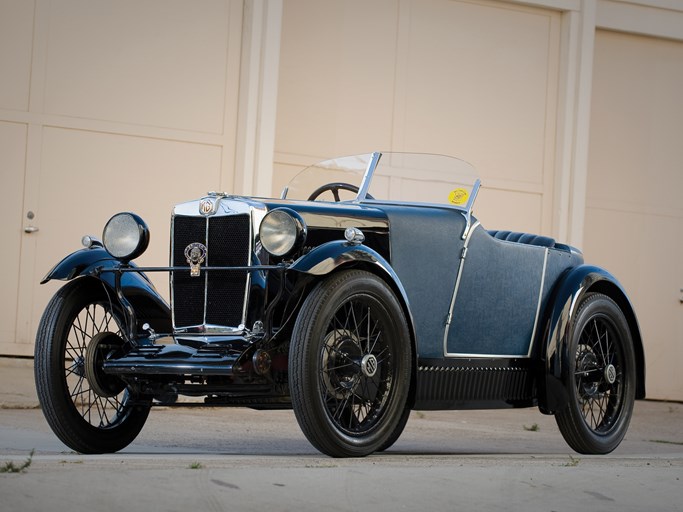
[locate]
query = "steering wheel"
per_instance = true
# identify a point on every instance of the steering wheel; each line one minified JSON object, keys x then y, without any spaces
{"x":335,"y":188}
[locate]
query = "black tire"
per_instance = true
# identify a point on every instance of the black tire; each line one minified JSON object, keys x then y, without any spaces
{"x":600,"y":378}
{"x":397,"y":431}
{"x":84,"y":420}
{"x":350,"y":365}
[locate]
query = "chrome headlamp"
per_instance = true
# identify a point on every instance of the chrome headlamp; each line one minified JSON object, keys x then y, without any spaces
{"x":126,"y":236}
{"x":282,"y":231}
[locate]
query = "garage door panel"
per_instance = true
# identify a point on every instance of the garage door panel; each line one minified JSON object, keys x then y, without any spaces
{"x":634,"y":215}
{"x":337,"y":66}
{"x":478,"y":76}
{"x":86,"y":177}
{"x":157,"y":63}
{"x":16,"y":39}
{"x":509,"y":210}
{"x":637,"y":121}
{"x":12,"y":162}
{"x":643,"y":257}
{"x":473,"y":79}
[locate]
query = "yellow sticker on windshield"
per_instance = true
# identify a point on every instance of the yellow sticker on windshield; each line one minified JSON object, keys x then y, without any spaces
{"x":458,"y":196}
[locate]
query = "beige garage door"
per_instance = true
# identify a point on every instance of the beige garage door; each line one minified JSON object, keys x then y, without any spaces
{"x":472,"y":79}
{"x":634,"y":214}
{"x":104,"y":107}
{"x":12,"y":158}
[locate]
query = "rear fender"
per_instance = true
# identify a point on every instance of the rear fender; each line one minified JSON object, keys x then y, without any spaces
{"x":567,"y":295}
{"x":148,"y":304}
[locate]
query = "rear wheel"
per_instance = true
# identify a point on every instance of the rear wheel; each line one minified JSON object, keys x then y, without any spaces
{"x":89,"y":411}
{"x":600,"y":378}
{"x":350,"y":364}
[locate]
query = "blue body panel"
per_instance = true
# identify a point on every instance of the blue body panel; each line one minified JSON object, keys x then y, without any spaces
{"x":426,"y":269}
{"x":502,"y":292}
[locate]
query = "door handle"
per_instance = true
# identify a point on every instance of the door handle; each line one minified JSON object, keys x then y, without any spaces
{"x":30,"y":228}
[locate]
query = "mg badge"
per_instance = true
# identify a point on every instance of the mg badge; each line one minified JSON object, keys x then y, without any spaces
{"x":195,"y":254}
{"x":206,"y":207}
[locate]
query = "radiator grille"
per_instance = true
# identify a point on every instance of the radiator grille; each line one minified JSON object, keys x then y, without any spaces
{"x":217,"y":296}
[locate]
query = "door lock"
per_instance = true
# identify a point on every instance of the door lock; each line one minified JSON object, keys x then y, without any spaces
{"x":30,"y":228}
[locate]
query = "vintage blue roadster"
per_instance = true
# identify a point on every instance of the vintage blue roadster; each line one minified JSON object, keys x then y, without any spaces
{"x":367,"y":290}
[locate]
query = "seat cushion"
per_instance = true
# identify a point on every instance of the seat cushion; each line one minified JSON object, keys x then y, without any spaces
{"x":523,"y":238}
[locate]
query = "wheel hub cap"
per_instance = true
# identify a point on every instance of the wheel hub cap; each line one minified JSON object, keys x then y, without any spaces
{"x":369,"y":365}
{"x":610,"y":374}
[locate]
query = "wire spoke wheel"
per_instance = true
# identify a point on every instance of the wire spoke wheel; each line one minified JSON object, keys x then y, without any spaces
{"x":350,"y":363}
{"x":601,"y":381}
{"x":599,"y":375}
{"x":91,"y":412}
{"x":99,"y":410}
{"x":355,"y":368}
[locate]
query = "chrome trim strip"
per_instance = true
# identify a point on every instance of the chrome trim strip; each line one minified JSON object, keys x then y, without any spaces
{"x":173,"y":269}
{"x":247,"y":285}
{"x":449,"y":319}
{"x":540,"y":298}
{"x":229,"y":205}
{"x":208,"y":262}
{"x":485,"y":356}
{"x":468,"y":208}
{"x":170,"y":274}
{"x":367,"y":178}
{"x":209,"y":330}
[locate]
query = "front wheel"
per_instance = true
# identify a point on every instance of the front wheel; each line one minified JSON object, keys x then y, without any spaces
{"x":89,"y":411}
{"x":600,"y":378}
{"x":350,"y":365}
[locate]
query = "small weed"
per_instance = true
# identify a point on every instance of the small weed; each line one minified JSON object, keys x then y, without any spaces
{"x":10,"y":467}
{"x":196,"y":465}
{"x":573,"y":462}
{"x":420,"y":415}
{"x":532,"y":428}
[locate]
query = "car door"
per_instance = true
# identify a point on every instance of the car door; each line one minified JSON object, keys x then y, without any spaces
{"x":426,"y":247}
{"x":497,"y":298}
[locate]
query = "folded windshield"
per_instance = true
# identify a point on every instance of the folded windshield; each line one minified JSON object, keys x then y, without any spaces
{"x":388,"y":177}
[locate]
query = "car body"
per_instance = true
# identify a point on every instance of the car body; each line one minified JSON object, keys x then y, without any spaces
{"x":367,"y":290}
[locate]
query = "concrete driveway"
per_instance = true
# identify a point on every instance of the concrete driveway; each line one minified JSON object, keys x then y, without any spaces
{"x":238,"y":459}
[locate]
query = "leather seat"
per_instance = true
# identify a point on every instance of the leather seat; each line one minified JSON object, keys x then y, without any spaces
{"x":523,"y":238}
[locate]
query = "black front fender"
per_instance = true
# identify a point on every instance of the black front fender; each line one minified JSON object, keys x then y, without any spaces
{"x":96,"y":263}
{"x":80,"y":263}
{"x":328,"y":257}
{"x":567,"y":295}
